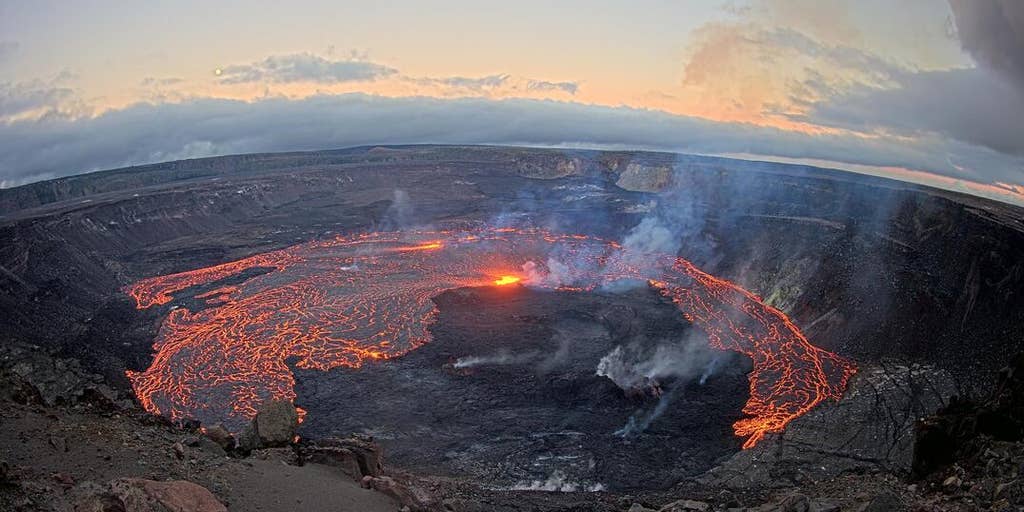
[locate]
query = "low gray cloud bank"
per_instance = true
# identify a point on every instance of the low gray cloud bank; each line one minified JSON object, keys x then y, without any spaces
{"x":992,"y":31}
{"x":146,"y":133}
{"x":974,"y":106}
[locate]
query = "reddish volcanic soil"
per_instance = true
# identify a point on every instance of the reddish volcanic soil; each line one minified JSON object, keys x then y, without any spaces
{"x":348,"y":300}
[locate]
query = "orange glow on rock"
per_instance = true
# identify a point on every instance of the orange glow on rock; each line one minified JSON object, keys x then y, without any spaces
{"x":352,"y":300}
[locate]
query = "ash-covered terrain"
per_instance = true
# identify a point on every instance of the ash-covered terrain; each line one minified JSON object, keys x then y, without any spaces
{"x":533,"y":394}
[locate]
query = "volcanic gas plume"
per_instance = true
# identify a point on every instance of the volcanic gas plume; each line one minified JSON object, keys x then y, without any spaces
{"x":347,"y":300}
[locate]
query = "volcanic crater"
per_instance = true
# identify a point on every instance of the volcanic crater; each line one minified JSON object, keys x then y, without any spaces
{"x":348,"y":301}
{"x":528,"y":319}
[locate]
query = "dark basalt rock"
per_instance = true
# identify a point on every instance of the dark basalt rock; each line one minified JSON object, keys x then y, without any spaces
{"x":276,"y":423}
{"x":247,"y":440}
{"x":33,"y":375}
{"x":356,"y":456}
{"x":960,"y":429}
{"x":220,"y":435}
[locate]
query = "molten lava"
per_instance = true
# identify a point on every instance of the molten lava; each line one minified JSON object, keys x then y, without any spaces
{"x":506,"y":280}
{"x":348,"y":300}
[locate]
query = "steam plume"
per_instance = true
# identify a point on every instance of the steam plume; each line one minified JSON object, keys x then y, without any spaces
{"x":633,"y":368}
{"x":558,"y":482}
{"x":503,"y":357}
{"x":637,"y":423}
{"x":399,"y":214}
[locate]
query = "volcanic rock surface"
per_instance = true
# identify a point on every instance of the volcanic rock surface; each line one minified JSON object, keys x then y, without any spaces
{"x":532,"y":406}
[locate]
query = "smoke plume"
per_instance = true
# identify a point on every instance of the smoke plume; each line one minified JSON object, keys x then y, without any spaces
{"x":652,"y":236}
{"x":542,"y":361}
{"x":663,"y":370}
{"x":399,"y":214}
{"x":635,"y":367}
{"x":503,"y":357}
{"x":637,"y":423}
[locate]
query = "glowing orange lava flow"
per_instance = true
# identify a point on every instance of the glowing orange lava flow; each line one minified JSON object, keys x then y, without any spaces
{"x":505,"y":280}
{"x":348,"y":300}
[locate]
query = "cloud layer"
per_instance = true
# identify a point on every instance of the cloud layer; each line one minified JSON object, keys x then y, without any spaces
{"x":304,"y":67}
{"x":974,"y":106}
{"x":992,"y":31}
{"x":146,"y":133}
{"x":7,"y":49}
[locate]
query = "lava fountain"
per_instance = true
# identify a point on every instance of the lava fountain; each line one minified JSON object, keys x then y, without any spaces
{"x":349,"y":300}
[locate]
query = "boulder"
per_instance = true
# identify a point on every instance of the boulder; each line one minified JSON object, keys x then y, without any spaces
{"x":824,"y":506}
{"x":884,"y":502}
{"x":958,"y":430}
{"x":794,"y":503}
{"x":408,"y":495}
{"x":685,"y":506}
{"x":276,"y":423}
{"x":636,"y":507}
{"x":356,"y":456}
{"x":139,"y":495}
{"x":64,"y":479}
{"x":220,"y":435}
{"x":203,"y":443}
{"x":247,"y":439}
{"x":94,"y":498}
{"x":179,"y":450}
{"x":58,"y":443}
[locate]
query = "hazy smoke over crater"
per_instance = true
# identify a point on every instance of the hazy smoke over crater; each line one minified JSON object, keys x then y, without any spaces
{"x":651,"y":236}
{"x":564,"y":268}
{"x":552,"y":274}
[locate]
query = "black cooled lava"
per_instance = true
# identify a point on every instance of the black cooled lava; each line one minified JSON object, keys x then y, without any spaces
{"x":531,"y":410}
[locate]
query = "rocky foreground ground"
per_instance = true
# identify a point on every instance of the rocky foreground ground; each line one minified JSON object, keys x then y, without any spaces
{"x":71,"y":442}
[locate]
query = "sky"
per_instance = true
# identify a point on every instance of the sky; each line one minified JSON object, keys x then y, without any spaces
{"x":929,"y":91}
